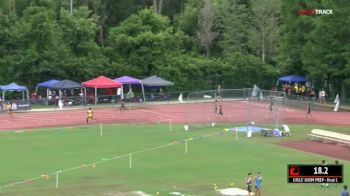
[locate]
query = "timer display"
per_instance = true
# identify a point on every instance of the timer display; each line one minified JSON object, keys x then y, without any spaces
{"x":298,"y":173}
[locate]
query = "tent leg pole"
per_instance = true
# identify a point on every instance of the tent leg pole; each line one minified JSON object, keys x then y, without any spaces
{"x":47,"y":96}
{"x":122,"y":97}
{"x":85,"y":96}
{"x":95,"y":95}
{"x":143,"y":93}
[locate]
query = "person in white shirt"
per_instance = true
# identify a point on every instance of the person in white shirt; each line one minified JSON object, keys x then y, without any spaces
{"x":60,"y":104}
{"x":322,"y":96}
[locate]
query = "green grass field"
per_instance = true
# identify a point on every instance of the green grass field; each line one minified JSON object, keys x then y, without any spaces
{"x":218,"y":159}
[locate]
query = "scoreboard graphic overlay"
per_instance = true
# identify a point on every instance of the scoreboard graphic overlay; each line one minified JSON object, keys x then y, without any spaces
{"x":300,"y":173}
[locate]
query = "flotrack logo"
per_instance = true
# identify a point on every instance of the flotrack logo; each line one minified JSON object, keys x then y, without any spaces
{"x":315,"y":12}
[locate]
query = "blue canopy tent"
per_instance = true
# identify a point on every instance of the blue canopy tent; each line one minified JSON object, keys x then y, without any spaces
{"x":130,"y":80}
{"x":292,"y":78}
{"x":47,"y":85}
{"x":14,"y":87}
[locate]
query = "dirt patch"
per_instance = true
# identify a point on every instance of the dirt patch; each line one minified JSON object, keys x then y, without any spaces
{"x":318,"y":147}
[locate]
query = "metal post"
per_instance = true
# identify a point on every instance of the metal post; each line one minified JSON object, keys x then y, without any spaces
{"x":57,"y":174}
{"x":143,"y":92}
{"x":95,"y":95}
{"x":71,"y":7}
{"x":130,"y":160}
{"x":47,"y":96}
{"x":85,"y":95}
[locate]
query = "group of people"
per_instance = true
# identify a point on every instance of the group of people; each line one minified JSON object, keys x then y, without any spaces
{"x":345,"y":187}
{"x":257,"y":180}
{"x":297,"y":89}
{"x":304,"y":90}
{"x":257,"y":183}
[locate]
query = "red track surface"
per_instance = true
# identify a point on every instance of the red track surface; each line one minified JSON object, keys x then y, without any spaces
{"x":235,"y":112}
{"x":328,"y":149}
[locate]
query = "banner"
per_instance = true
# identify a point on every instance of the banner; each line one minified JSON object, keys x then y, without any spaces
{"x":16,"y":105}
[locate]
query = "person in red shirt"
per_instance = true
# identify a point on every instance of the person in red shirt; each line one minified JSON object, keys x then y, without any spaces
{"x":91,"y":97}
{"x":110,"y":92}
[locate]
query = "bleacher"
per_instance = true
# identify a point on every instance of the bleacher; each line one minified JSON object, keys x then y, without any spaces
{"x":329,"y":136}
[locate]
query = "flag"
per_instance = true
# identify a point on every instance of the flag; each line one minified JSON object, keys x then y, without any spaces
{"x":180,"y":98}
{"x":337,"y":102}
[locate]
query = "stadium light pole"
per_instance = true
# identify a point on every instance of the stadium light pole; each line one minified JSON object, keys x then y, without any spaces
{"x":71,"y":6}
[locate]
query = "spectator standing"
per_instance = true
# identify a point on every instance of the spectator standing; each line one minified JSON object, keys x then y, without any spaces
{"x":249,"y":183}
{"x":218,"y":93}
{"x":345,"y":191}
{"x":302,"y":90}
{"x":323,"y":96}
{"x":258,"y":181}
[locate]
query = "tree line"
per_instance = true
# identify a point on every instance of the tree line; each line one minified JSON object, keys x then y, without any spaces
{"x":195,"y":43}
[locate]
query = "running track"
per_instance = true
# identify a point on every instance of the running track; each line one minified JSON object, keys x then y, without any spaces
{"x":235,"y":112}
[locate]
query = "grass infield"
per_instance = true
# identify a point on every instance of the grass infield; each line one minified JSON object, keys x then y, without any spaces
{"x":217,"y":159}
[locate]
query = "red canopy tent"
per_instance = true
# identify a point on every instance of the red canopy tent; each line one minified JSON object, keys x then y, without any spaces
{"x":101,"y":82}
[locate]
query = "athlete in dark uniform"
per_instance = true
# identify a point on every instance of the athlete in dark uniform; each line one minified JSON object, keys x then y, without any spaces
{"x":122,"y":106}
{"x":309,"y":109}
{"x":220,"y":113}
{"x":249,"y":183}
{"x":271,"y":104}
{"x":216,"y":108}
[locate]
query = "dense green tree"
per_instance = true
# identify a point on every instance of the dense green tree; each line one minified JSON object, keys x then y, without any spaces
{"x":85,"y":58}
{"x":326,"y":54}
{"x":187,"y":20}
{"x":248,"y":70}
{"x":35,"y":42}
{"x":41,"y":39}
{"x":146,"y":41}
{"x":294,"y":32}
{"x":207,"y":23}
{"x":236,"y":27}
{"x":265,"y":19}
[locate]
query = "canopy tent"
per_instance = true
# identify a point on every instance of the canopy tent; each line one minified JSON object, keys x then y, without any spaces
{"x":47,"y":85}
{"x":292,"y":78}
{"x":154,"y":80}
{"x":14,"y":87}
{"x":65,"y":85}
{"x":101,"y":82}
{"x":130,"y":80}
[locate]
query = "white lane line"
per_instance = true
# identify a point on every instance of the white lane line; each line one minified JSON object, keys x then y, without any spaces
{"x":159,"y":113}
